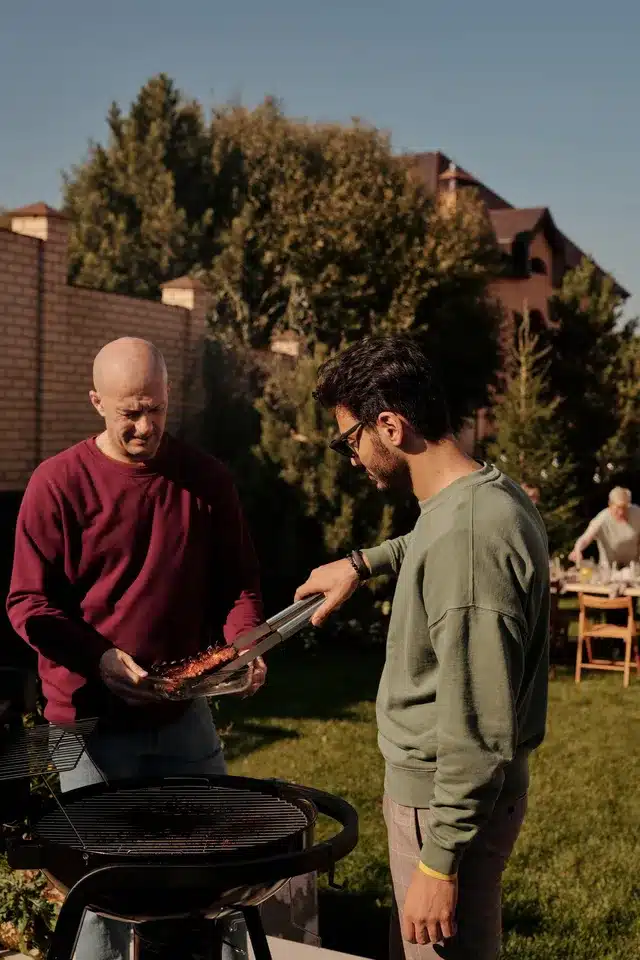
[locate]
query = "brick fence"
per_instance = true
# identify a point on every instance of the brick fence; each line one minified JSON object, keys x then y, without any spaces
{"x":50,"y":332}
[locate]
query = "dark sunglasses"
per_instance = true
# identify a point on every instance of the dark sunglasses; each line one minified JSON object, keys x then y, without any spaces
{"x":341,"y":444}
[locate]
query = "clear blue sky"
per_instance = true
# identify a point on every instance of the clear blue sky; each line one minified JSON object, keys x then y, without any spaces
{"x":538,"y":99}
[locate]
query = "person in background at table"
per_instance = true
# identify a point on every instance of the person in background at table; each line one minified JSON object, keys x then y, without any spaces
{"x":131,"y":548}
{"x":616,"y":531}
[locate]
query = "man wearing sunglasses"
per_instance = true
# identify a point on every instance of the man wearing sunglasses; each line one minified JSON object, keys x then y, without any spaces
{"x":463,"y":694}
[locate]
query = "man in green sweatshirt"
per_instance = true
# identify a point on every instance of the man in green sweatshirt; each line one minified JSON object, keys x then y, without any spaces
{"x":463,"y":695}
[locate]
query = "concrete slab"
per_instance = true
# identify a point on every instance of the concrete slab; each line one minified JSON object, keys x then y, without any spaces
{"x":287,"y":950}
{"x":280,"y":950}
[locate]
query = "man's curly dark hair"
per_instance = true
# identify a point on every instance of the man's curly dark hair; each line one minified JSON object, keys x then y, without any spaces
{"x":386,"y":373}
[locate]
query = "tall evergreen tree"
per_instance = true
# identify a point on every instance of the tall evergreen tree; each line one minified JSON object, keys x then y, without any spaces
{"x":528,"y":444}
{"x":619,"y":456}
{"x":310,"y":504}
{"x":588,"y":357}
{"x":143,"y":206}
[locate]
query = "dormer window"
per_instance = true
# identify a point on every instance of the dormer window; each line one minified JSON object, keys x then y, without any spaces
{"x":520,"y":257}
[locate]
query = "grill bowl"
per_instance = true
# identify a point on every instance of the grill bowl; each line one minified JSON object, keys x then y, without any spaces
{"x":179,"y":822}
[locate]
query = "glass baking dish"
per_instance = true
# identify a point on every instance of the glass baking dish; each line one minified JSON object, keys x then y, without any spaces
{"x":231,"y":678}
{"x":217,"y":684}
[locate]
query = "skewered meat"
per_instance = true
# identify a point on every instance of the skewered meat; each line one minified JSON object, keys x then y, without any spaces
{"x":192,"y":667}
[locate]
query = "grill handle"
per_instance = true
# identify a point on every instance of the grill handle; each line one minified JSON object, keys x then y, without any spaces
{"x":342,"y":843}
{"x":25,"y":854}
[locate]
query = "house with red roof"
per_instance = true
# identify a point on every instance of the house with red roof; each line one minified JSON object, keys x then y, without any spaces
{"x":537,"y":254}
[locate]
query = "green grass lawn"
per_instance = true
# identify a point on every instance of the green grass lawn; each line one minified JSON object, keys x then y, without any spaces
{"x":572,"y":888}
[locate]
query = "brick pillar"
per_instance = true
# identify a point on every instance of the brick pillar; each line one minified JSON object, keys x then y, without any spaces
{"x":52,"y":228}
{"x":43,"y":222}
{"x":191,"y":295}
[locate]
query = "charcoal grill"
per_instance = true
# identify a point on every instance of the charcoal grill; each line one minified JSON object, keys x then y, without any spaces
{"x":145,"y":851}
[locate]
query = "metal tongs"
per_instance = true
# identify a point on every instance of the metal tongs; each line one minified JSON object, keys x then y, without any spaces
{"x":269,"y":634}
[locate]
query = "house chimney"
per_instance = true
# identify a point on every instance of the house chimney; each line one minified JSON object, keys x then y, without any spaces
{"x":451,"y":181}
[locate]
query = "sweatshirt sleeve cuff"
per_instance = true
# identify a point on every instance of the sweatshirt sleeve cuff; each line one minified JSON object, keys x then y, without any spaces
{"x":438,"y":862}
{"x":379,"y":560}
{"x":434,"y":873}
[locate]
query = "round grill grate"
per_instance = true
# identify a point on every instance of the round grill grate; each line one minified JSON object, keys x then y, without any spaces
{"x":170,"y":820}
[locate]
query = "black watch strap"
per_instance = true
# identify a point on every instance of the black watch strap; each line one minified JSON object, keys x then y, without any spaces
{"x":357,"y":561}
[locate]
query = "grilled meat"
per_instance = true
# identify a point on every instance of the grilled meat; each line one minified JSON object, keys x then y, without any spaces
{"x":193,"y":667}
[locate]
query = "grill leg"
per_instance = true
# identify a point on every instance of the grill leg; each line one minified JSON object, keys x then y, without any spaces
{"x":256,"y":933}
{"x":65,"y":935}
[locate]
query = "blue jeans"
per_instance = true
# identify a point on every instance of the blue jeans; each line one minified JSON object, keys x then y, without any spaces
{"x":190,"y":746}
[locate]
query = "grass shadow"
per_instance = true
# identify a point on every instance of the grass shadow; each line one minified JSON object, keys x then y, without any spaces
{"x":355,"y":923}
{"x":241,"y":738}
{"x":313,"y":684}
{"x":302,"y":685}
{"x":522,"y":917}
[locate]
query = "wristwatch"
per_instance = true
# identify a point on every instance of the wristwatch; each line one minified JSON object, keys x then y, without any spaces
{"x":357,"y":561}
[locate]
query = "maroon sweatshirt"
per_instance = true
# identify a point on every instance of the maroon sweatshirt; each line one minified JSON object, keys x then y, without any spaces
{"x":154,"y":559}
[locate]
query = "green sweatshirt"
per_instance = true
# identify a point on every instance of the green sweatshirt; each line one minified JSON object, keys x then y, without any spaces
{"x":463,"y":693}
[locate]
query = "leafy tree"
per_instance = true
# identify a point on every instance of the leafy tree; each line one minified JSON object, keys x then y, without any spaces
{"x":527,"y":443}
{"x":28,"y":911}
{"x":333,"y":240}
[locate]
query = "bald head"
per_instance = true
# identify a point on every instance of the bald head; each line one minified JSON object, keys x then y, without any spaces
{"x":128,"y":364}
{"x":131,"y":394}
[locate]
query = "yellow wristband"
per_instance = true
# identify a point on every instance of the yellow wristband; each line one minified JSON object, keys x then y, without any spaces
{"x":434,"y":873}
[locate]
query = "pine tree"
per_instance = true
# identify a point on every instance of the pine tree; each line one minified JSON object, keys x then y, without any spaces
{"x":528,"y":445}
{"x":143,"y":206}
{"x":309,"y":504}
{"x":588,"y":357}
{"x":618,"y":459}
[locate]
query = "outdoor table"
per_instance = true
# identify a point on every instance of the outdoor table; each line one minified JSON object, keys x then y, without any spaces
{"x":612,"y":589}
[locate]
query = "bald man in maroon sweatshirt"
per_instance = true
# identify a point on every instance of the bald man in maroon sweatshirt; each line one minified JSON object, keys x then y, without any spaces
{"x":131,"y":548}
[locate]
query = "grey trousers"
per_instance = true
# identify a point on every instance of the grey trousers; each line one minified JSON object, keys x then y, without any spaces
{"x":187,"y":747}
{"x":479,"y":911}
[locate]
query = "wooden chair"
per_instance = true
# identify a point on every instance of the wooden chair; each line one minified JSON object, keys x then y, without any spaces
{"x":588,"y":631}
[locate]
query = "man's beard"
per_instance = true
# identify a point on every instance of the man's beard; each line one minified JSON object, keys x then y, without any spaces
{"x":389,"y":472}
{"x":144,"y":450}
